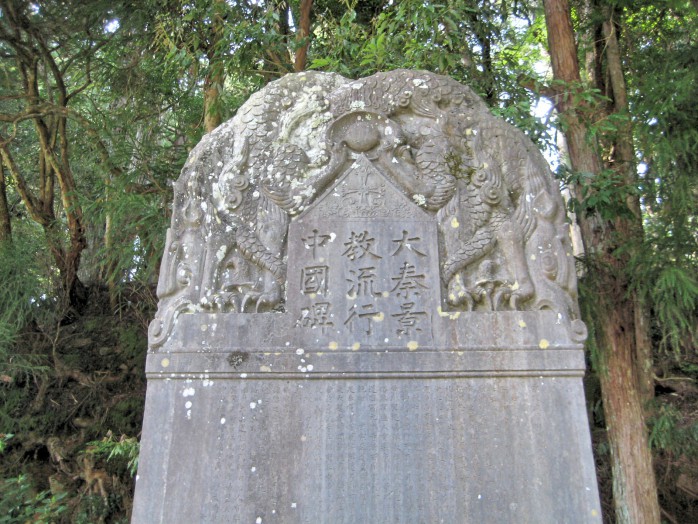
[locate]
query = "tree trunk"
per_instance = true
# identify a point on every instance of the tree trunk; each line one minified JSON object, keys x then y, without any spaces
{"x":5,"y":222}
{"x":213,"y":83}
{"x":634,"y":488}
{"x":302,"y":36}
{"x":624,"y":163}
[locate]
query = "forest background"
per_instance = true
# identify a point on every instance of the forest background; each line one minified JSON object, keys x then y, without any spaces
{"x":100,"y":102}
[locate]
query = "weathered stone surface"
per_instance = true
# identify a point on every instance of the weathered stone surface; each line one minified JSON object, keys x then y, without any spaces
{"x":368,"y":313}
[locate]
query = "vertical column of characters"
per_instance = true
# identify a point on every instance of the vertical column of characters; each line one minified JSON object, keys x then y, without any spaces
{"x":408,"y":285}
{"x":315,"y":311}
{"x":362,"y":277}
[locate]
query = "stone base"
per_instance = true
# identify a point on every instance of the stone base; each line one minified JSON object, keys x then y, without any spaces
{"x":487,"y":447}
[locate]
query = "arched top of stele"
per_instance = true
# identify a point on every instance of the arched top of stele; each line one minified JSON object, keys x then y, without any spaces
{"x":393,"y":211}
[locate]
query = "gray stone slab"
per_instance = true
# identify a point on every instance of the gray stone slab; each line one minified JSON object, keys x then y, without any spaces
{"x":394,"y":451}
{"x":368,"y":313}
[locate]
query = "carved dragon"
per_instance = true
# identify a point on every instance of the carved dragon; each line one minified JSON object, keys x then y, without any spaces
{"x":503,"y":237}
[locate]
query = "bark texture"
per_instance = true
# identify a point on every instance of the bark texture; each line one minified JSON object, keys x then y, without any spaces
{"x":302,"y":36}
{"x":5,"y":222}
{"x":634,"y":488}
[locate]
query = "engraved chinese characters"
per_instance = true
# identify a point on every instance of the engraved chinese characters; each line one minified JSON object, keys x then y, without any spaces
{"x":363,"y":277}
{"x":365,"y":281}
{"x":330,"y":170}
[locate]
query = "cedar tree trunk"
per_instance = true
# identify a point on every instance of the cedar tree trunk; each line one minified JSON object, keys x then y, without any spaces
{"x":634,"y":488}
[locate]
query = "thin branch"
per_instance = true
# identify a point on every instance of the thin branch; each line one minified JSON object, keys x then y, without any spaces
{"x":30,"y":201}
{"x":535,"y":86}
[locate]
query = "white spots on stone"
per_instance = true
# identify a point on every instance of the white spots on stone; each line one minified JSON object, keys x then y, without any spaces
{"x":356,"y":86}
{"x":479,"y":497}
{"x":533,"y":256}
{"x":222,"y":420}
{"x":419,"y":199}
{"x":310,"y":367}
{"x":255,"y":194}
{"x":333,"y":236}
{"x":386,"y":340}
{"x":265,"y":369}
{"x":207,"y":383}
{"x":303,"y":438}
{"x":412,"y":345}
{"x":243,"y":375}
{"x":357,"y":105}
{"x":259,"y":520}
{"x":388,"y":131}
{"x":253,"y":405}
{"x":253,"y":469}
{"x":165,"y":362}
{"x":189,"y":414}
{"x":308,"y":192}
{"x":293,"y":505}
{"x":543,"y":344}
{"x":204,"y":327}
{"x":300,"y":351}
{"x":187,"y":404}
{"x":188,"y":392}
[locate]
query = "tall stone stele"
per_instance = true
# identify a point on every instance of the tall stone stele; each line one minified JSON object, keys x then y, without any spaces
{"x":368,"y":314}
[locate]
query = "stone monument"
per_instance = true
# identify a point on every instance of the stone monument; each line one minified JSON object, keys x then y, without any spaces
{"x":368,"y":314}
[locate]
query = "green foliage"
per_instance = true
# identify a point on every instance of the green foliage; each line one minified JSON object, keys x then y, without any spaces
{"x":20,"y":503}
{"x":4,"y":438}
{"x":662,"y":61}
{"x":124,"y":451}
{"x":669,"y":432}
{"x":605,"y":193}
{"x":474,"y":42}
{"x":24,"y":297}
{"x":672,"y":289}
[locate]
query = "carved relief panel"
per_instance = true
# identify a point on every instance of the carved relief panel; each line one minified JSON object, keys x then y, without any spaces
{"x":363,"y":264}
{"x":362,"y":207}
